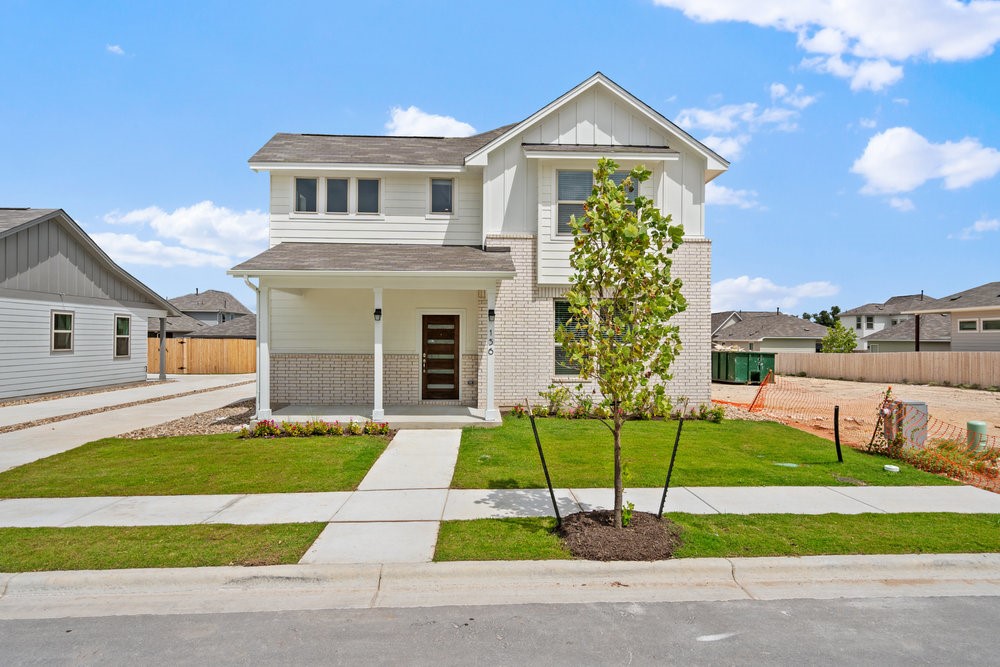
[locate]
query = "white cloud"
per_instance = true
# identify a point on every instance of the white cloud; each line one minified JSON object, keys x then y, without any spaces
{"x":746,"y":293}
{"x":129,"y":249}
{"x":731,"y":126}
{"x":115,"y":49}
{"x":412,"y":122}
{"x":868,"y":123}
{"x":903,"y":204}
{"x":720,"y":195}
{"x":976,"y":229}
{"x":864,"y":40}
{"x":901,"y":160}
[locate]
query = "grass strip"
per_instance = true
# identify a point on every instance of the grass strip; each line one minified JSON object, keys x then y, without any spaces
{"x":735,"y":535}
{"x":204,"y":464}
{"x":108,"y":548}
{"x":733,"y":453}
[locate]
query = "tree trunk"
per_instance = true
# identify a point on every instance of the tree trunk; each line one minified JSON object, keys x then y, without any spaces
{"x":618,"y":471}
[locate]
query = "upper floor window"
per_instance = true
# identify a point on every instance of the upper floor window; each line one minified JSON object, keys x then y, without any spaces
{"x":336,"y":195}
{"x":968,"y":325}
{"x":573,"y":189}
{"x":869,"y":322}
{"x":305,"y":195}
{"x":442,"y":195}
{"x":368,"y":195}
{"x":62,"y":331}
{"x":991,"y":325}
{"x":857,"y":322}
{"x":123,"y":327}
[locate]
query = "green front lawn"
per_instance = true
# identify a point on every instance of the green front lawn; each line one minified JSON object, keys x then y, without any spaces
{"x":733,"y":535}
{"x":205,"y":464}
{"x":106,"y":548}
{"x":733,"y":453}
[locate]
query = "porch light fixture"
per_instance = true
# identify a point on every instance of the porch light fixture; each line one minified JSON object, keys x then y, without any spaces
{"x":378,"y":314}
{"x":491,"y":315}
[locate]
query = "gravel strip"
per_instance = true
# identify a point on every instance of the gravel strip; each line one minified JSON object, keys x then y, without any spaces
{"x":39,"y":398}
{"x":84,"y":413}
{"x":224,"y":420}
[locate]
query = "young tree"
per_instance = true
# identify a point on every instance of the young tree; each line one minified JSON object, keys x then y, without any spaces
{"x":839,"y":339}
{"x":621,"y":299}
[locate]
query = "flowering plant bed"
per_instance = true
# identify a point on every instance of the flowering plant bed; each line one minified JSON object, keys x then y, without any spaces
{"x":268,"y":428}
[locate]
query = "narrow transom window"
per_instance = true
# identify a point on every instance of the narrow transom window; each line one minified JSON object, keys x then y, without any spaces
{"x":574,"y":188}
{"x":442,"y":195}
{"x":123,"y":338}
{"x":62,"y":331}
{"x":305,"y":195}
{"x":336,"y":195}
{"x":967,"y":325}
{"x":368,"y":195}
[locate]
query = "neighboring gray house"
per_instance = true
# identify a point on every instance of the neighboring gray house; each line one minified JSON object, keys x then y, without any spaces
{"x":975,"y":318}
{"x":727,"y":318}
{"x":241,"y":327}
{"x":176,"y":327}
{"x":772,"y":332}
{"x":69,"y":316}
{"x":432,"y":270}
{"x":211,"y":306}
{"x":872,"y":318}
{"x":935,"y":335}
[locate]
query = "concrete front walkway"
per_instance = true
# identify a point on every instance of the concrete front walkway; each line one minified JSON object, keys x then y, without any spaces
{"x":37,"y":442}
{"x":177,"y":384}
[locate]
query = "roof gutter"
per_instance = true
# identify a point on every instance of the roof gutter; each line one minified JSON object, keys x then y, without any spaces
{"x":247,"y":273}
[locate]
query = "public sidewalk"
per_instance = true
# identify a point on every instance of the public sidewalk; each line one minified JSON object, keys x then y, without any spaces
{"x":30,"y":444}
{"x":177,"y":384}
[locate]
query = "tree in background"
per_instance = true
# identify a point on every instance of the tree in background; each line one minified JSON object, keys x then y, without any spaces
{"x":839,"y":339}
{"x":826,"y":318}
{"x":620,"y":302}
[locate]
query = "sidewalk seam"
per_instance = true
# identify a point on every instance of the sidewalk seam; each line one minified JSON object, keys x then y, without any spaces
{"x":732,"y":573}
{"x":224,"y":507}
{"x":874,"y":507}
{"x":378,"y":587}
{"x":707,"y":504}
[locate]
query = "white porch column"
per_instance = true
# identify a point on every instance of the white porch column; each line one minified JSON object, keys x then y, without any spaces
{"x":263,"y":353}
{"x":492,"y":414}
{"x":378,"y":413}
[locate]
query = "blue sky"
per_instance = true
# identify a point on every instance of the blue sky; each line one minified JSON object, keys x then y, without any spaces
{"x":863,"y":135}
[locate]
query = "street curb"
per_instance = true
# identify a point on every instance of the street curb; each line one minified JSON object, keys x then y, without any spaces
{"x":311,"y":587}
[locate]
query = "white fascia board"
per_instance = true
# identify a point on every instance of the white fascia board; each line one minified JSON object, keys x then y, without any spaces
{"x":282,"y":273}
{"x":596,"y":155}
{"x":343,"y":166}
{"x":716,"y":164}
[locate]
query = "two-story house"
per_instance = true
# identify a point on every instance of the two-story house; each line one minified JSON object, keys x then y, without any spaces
{"x":415,"y":270}
{"x":872,"y":318}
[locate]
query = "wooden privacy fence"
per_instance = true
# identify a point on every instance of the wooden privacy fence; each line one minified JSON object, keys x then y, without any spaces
{"x":973,"y":368}
{"x":196,"y":356}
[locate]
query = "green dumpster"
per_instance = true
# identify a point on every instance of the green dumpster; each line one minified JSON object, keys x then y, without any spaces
{"x":741,"y":367}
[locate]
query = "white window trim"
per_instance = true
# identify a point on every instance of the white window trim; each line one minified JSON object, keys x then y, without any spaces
{"x":869,"y":322}
{"x":556,"y":234}
{"x":983,"y":321}
{"x":326,"y":201}
{"x":873,"y":347}
{"x":352,"y":213}
{"x":366,"y":214}
{"x":959,"y":329}
{"x":430,"y":198}
{"x":52,"y":331}
{"x":115,"y":336}
{"x":295,"y":195}
{"x":857,"y":322}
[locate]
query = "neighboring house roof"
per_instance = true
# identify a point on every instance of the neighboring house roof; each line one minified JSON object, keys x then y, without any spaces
{"x":933,"y":328}
{"x":896,"y":305}
{"x":241,"y":327}
{"x":984,"y":297}
{"x":14,"y":220}
{"x":361,"y":149}
{"x":210,"y":301}
{"x":377,"y":258}
{"x":771,"y":325}
{"x":177,"y":324}
{"x":720,"y":318}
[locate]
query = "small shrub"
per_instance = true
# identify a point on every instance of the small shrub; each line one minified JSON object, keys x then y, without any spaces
{"x":266,"y":428}
{"x":558,"y":397}
{"x":540,"y":411}
{"x":627,"y":509}
{"x":519,"y":411}
{"x":336,"y":428}
{"x":376,"y":428}
{"x":801,"y":374}
{"x":355,"y":428}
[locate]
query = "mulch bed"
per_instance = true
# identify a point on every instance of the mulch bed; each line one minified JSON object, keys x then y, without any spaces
{"x":592,"y":536}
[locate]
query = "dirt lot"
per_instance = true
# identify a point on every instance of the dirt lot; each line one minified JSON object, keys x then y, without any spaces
{"x":955,"y":406}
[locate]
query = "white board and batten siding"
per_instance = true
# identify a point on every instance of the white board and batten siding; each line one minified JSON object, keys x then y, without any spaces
{"x":405,"y":215}
{"x":43,"y":268}
{"x":520,"y":193}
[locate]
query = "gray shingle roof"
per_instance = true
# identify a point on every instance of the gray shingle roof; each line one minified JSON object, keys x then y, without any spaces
{"x":210,"y":301}
{"x":244,"y":326}
{"x":984,"y":296}
{"x":375,"y":258}
{"x":179,"y":324}
{"x":932,"y":328}
{"x":12,"y":218}
{"x":771,"y":325}
{"x":895,"y":305}
{"x":351,"y":149}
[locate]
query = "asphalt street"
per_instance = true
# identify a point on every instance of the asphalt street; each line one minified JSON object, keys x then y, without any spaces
{"x":884,"y":631}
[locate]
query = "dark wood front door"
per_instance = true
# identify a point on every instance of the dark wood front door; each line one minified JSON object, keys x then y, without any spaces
{"x":439,"y":380}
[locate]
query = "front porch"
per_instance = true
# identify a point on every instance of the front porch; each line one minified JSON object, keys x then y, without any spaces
{"x":398,"y":416}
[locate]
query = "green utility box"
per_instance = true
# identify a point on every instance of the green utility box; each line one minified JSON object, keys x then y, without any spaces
{"x":741,"y":367}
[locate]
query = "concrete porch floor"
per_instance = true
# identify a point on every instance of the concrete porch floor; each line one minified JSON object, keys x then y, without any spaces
{"x":398,"y":416}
